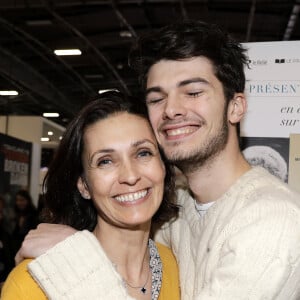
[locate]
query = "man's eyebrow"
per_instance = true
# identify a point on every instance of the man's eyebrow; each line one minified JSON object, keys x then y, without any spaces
{"x":192,"y":80}
{"x":158,"y":89}
{"x":154,"y":89}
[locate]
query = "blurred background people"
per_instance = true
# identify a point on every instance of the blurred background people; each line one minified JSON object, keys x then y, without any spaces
{"x":6,"y":251}
{"x":26,"y":218}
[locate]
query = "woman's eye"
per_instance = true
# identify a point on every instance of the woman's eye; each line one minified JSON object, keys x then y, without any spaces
{"x":144,"y":153}
{"x":103,"y":162}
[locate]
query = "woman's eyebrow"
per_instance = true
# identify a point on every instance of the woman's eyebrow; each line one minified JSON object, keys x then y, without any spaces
{"x":141,"y":142}
{"x":100,"y":151}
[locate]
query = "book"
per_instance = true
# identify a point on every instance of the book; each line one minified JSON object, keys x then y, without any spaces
{"x":294,"y":162}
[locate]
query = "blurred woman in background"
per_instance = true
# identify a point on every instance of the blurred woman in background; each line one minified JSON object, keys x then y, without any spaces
{"x":26,"y":218}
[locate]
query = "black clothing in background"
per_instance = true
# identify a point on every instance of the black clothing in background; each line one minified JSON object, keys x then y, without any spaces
{"x":26,"y":218}
{"x":6,"y":254}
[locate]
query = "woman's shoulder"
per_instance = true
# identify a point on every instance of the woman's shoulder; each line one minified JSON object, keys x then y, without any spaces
{"x":20,"y":285}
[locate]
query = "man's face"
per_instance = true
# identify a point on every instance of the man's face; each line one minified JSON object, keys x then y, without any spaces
{"x":187,"y":110}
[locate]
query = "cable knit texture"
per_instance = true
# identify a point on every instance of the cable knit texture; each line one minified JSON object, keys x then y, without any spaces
{"x":78,"y":268}
{"x":247,"y":245}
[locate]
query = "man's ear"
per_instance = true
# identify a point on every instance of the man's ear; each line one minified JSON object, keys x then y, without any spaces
{"x":237,"y":108}
{"x":83,"y":188}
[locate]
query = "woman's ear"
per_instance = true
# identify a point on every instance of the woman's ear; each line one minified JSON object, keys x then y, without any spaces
{"x":83,"y":189}
{"x":237,"y":108}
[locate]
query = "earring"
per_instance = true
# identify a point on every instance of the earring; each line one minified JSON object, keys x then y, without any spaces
{"x":85,"y":195}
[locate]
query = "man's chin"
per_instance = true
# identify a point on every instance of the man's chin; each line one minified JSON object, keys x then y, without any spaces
{"x":176,"y":158}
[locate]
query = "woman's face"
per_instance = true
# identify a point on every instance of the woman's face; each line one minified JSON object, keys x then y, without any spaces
{"x":21,"y":202}
{"x":1,"y":209}
{"x":124,"y":173}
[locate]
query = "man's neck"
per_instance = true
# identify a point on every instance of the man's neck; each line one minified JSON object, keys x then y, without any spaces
{"x":214,"y":178}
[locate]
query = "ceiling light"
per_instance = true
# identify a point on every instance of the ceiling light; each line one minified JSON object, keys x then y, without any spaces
{"x":51,"y":115}
{"x":62,"y":52}
{"x":125,"y":34}
{"x":107,"y":90}
{"x":50,"y":132}
{"x":45,"y":139}
{"x":9,"y":93}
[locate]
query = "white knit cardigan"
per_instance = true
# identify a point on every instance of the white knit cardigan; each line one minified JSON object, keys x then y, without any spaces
{"x":246,"y":247}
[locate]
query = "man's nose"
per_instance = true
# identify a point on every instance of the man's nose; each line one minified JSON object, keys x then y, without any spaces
{"x":173,"y":108}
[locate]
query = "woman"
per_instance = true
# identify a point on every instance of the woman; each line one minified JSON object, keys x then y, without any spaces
{"x":108,"y":177}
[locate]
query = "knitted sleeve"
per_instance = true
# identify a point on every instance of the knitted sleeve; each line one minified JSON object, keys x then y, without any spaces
{"x":162,"y":236}
{"x":77,"y":268}
{"x":258,"y":256}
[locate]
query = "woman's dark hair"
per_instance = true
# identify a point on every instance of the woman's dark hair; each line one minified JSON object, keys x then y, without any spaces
{"x":190,"y":39}
{"x":63,"y":202}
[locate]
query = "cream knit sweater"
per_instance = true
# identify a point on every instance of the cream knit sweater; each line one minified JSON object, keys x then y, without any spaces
{"x":78,"y":269}
{"x":247,"y":246}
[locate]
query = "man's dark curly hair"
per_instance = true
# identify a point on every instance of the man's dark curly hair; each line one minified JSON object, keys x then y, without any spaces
{"x":191,"y":39}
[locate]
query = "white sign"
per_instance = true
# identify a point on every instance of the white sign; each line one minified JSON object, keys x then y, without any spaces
{"x":272,"y":90}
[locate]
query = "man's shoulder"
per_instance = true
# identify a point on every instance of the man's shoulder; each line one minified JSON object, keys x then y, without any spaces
{"x":183,"y":195}
{"x":265,"y":198}
{"x":260,"y":184}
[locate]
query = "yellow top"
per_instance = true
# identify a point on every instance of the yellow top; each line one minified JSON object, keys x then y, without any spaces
{"x":21,"y":286}
{"x":170,"y":279}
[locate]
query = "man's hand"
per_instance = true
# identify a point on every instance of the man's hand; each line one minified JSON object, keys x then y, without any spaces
{"x":41,"y":239}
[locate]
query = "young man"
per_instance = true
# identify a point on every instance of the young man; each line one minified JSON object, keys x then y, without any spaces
{"x":238,"y":233}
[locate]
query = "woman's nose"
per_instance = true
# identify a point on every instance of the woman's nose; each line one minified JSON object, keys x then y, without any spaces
{"x":129,"y":173}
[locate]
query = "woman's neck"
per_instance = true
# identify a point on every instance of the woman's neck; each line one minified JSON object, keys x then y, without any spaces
{"x":128,"y":251}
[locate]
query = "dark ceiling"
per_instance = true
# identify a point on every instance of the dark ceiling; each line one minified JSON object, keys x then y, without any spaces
{"x":104,"y":30}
